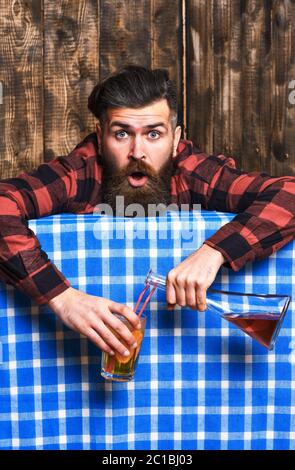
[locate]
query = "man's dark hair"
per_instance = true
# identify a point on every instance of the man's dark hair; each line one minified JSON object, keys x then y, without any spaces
{"x":133,"y":86}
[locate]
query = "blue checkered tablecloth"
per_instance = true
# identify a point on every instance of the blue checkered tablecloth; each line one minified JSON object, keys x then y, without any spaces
{"x":200,"y":382}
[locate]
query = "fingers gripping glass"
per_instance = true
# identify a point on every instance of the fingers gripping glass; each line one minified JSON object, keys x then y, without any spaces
{"x":118,"y":367}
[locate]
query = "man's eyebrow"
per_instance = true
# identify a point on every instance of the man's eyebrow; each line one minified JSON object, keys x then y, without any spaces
{"x":148,"y":126}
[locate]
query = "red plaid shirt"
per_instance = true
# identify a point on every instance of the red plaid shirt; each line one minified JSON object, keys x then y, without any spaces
{"x":265,"y":207}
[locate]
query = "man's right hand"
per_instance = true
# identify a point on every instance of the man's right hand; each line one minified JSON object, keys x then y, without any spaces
{"x":93,"y":317}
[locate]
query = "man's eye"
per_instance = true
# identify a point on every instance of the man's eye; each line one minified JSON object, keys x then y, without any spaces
{"x":155,"y":133}
{"x":117,"y":134}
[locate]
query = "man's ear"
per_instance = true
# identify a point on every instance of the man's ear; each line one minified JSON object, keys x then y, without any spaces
{"x":176,"y":139}
{"x":99,"y":135}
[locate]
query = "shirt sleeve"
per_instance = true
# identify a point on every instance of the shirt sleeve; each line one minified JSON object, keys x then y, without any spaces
{"x":265,"y":207}
{"x":55,"y":187}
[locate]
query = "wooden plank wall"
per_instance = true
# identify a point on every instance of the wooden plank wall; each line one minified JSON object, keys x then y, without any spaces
{"x":21,"y":76}
{"x":241,"y":59}
{"x":232,"y":60}
{"x":71,"y":68}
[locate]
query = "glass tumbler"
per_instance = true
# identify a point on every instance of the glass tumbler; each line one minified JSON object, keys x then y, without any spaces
{"x":120,"y":368}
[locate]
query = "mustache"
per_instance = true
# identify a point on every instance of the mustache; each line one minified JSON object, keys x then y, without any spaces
{"x":133,"y":167}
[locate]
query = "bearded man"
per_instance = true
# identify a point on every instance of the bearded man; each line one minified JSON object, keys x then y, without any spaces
{"x":137,"y":153}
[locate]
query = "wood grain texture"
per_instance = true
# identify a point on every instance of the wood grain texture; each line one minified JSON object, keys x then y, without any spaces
{"x":71,"y":65}
{"x":232,"y":144}
{"x":241,"y":56}
{"x":227,"y":78}
{"x":21,"y":75}
{"x":200,"y":73}
{"x":125,"y":34}
{"x":255,"y":108}
{"x":283,"y":71}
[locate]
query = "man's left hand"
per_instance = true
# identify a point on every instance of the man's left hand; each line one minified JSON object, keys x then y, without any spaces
{"x":188,"y":282}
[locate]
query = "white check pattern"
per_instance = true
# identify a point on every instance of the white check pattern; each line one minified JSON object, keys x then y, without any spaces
{"x":200,"y":383}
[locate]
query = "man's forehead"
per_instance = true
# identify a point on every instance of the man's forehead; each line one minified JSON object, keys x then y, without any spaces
{"x":157,"y":113}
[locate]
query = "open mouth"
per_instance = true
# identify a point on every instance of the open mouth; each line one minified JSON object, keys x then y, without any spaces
{"x":138,"y":175}
{"x":137,"y":179}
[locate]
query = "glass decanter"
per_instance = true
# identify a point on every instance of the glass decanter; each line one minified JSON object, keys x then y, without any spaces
{"x":258,"y":315}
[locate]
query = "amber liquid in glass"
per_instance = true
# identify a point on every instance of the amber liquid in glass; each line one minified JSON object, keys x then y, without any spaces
{"x":119,"y":364}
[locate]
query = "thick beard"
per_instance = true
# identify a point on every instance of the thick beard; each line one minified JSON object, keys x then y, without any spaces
{"x":157,"y":189}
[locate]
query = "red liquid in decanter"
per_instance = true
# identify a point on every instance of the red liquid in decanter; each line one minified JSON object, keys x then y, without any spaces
{"x":260,"y":327}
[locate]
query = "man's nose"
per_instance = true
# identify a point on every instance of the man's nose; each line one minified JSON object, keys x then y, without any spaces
{"x":137,"y":150}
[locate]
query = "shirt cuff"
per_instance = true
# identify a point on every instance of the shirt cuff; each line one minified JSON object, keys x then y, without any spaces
{"x":44,"y":285}
{"x":235,"y":248}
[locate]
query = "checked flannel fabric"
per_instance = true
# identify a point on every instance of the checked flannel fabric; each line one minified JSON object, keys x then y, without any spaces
{"x":200,"y":383}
